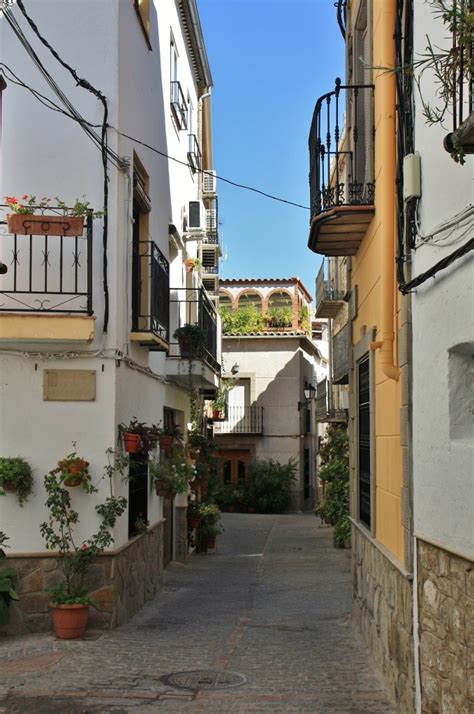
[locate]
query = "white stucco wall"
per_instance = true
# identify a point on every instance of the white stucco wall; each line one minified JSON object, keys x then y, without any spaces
{"x":47,"y":154}
{"x":443,"y":317}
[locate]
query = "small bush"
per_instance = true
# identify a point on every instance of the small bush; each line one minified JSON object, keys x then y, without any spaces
{"x":334,"y":471}
{"x":268,"y":487}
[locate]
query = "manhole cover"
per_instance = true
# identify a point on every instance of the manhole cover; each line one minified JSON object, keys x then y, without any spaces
{"x":204,"y":679}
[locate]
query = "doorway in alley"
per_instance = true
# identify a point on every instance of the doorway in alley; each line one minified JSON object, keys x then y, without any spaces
{"x":234,"y":465}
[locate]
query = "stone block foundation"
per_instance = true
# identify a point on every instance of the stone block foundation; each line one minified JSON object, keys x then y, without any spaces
{"x":382,"y":613}
{"x":121,"y":582}
{"x":446,"y":630}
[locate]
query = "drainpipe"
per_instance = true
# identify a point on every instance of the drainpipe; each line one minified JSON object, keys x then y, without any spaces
{"x":385,"y":91}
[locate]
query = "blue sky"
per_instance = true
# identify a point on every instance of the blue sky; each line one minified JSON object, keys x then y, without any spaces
{"x":270,"y":60}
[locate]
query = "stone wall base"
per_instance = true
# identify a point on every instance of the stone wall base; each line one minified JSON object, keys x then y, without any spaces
{"x":120,"y":582}
{"x":446,"y":630}
{"x":382,"y":613}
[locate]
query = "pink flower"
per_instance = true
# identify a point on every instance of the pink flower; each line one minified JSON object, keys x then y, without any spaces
{"x":24,"y":197}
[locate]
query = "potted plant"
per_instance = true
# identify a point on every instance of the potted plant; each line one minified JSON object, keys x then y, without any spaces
{"x":219,"y":405}
{"x":16,"y":477}
{"x":67,"y":221}
{"x":172,"y":474}
{"x":74,"y":470}
{"x":209,"y":527}
{"x":7,"y":575}
{"x":192,"y":264}
{"x":69,"y":598}
{"x":168,"y":436}
{"x":194,"y":514}
{"x":191,"y":339}
{"x":138,"y":436}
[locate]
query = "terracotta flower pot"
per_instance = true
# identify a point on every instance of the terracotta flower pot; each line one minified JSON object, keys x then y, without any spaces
{"x":194,"y":521}
{"x":131,"y":442}
{"x":73,"y":480}
{"x":210,"y":542}
{"x":9,"y":487}
{"x":189,"y":265}
{"x":162,"y":490}
{"x":166,"y":444}
{"x":203,"y":487}
{"x":69,"y":621}
{"x":26,"y":224}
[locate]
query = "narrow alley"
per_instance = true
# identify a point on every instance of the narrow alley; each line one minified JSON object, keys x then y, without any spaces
{"x":269,"y":610}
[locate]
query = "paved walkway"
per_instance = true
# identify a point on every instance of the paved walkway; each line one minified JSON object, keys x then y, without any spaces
{"x":272,"y":603}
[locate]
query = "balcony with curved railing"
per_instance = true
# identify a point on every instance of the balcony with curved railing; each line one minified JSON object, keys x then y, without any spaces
{"x":342,"y":184}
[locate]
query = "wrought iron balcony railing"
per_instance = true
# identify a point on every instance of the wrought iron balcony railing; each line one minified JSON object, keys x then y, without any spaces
{"x":192,"y":306}
{"x":329,"y":295}
{"x":178,"y":105}
{"x":341,"y":168}
{"x":241,"y":420}
{"x":325,"y":409}
{"x":150,"y":291}
{"x":46,"y":273}
{"x":194,"y":153}
{"x":341,"y":6}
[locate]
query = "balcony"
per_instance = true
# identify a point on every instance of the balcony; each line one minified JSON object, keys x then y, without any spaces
{"x":342,"y":185}
{"x":194,"y":153}
{"x":341,"y":345}
{"x":46,"y":286}
{"x":179,"y":108}
{"x":326,"y":412}
{"x":329,"y":298}
{"x":150,"y":297}
{"x":193,"y":306}
{"x":241,"y":420}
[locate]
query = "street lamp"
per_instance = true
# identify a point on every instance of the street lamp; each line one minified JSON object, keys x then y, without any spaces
{"x":309,"y":392}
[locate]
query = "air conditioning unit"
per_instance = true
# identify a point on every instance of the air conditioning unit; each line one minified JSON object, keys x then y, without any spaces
{"x":196,"y":217}
{"x":208,"y":183}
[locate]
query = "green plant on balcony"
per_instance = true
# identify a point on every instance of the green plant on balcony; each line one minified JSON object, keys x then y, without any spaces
{"x":242,"y":321}
{"x":280,"y":317}
{"x":15,"y":477}
{"x":191,"y":338}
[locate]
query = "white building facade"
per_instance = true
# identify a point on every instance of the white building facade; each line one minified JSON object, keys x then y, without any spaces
{"x":443,"y":386}
{"x":87,"y":324}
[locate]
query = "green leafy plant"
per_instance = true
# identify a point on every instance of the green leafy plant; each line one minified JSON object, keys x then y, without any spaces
{"x":210,"y":526}
{"x":7,"y":576}
{"x":29,"y":204}
{"x":141,"y":526}
{"x":16,"y":472}
{"x":191,"y":340}
{"x":242,"y":321}
{"x":280,"y":317}
{"x":75,"y":468}
{"x":149,"y":434}
{"x":172,"y":473}
{"x":220,"y":400}
{"x":268,"y":485}
{"x":334,"y":472}
{"x":58,"y":532}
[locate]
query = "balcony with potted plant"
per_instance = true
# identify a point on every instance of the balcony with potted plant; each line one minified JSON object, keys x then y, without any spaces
{"x":46,"y":273}
{"x":193,"y":357}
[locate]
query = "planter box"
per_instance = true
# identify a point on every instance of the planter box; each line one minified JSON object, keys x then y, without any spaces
{"x":26,"y":224}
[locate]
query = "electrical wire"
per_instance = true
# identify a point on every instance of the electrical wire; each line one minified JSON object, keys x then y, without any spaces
{"x":120,"y":162}
{"x":452,"y":223}
{"x":440,"y":265}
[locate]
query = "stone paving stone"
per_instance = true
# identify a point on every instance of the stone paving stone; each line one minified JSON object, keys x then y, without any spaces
{"x":272,"y":603}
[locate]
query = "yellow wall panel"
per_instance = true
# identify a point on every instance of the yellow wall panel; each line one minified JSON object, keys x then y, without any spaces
{"x":388,"y":523}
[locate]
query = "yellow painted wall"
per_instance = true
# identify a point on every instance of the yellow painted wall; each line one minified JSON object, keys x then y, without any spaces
{"x":366,"y":274}
{"x":36,"y":327}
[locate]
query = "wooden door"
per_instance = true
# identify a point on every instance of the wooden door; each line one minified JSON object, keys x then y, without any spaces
{"x":234,"y":465}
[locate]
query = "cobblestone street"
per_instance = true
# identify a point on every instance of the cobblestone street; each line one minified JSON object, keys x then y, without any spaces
{"x":271,"y":603}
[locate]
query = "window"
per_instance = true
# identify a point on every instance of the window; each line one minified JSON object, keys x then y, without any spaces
{"x":179,"y":109}
{"x":364,"y":445}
